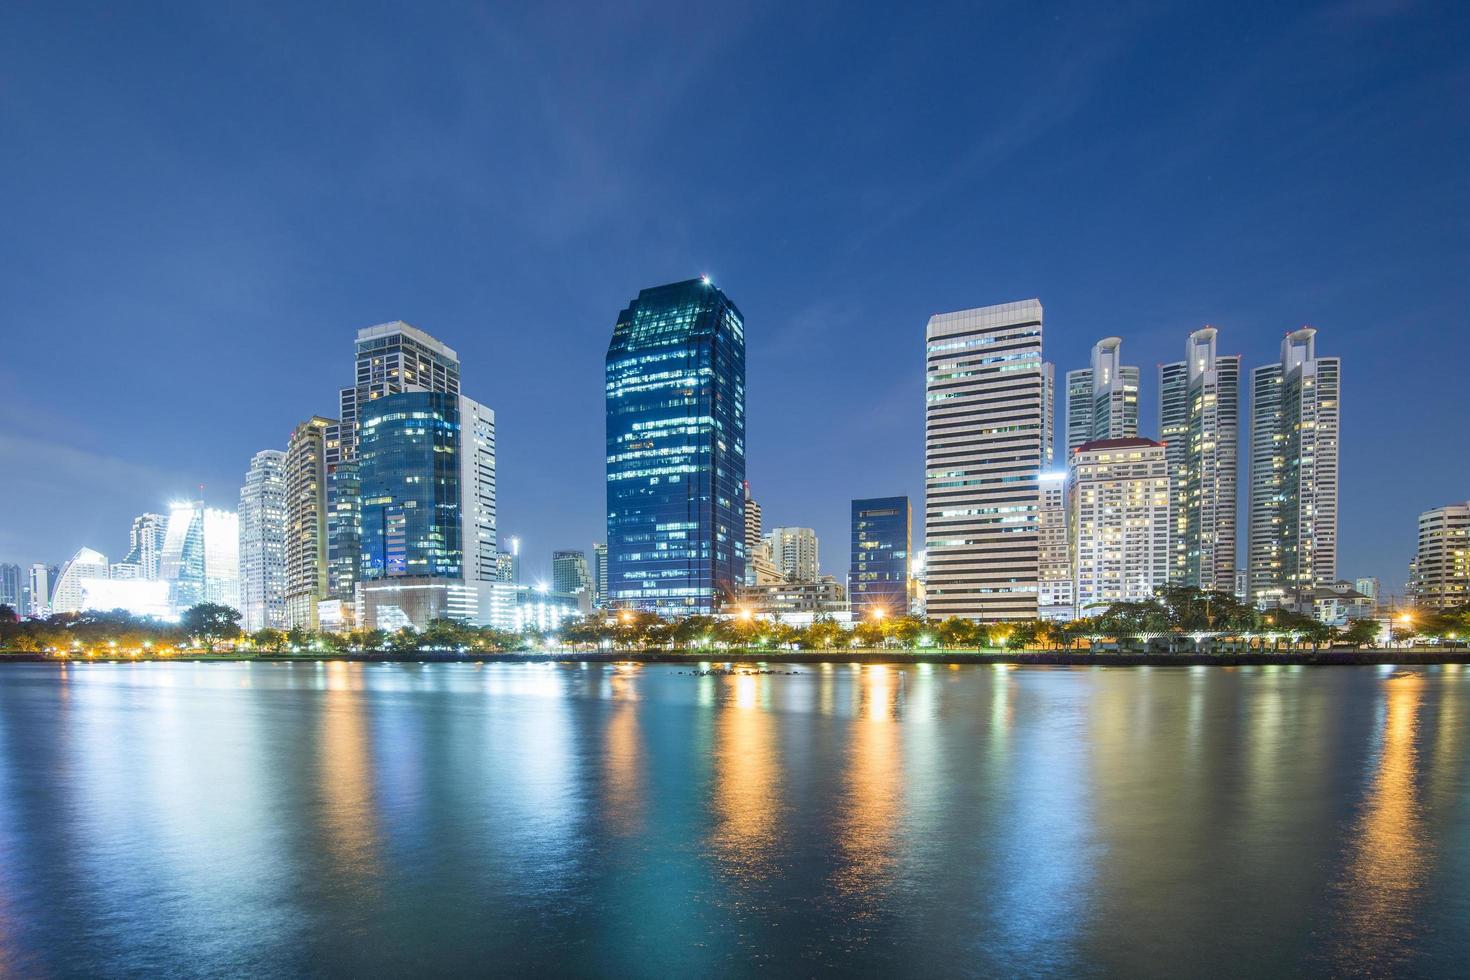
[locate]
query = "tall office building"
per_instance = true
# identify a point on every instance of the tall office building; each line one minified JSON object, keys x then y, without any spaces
{"x":181,"y":563}
{"x":1295,"y":428}
{"x":306,"y":521}
{"x":569,"y":573}
{"x":987,"y":432}
{"x":878,"y":576}
{"x":1199,"y":421}
{"x":508,"y":561}
{"x":1439,"y":577}
{"x":263,"y":542}
{"x":793,"y":551}
{"x":1119,"y":521}
{"x":477,"y":488}
{"x":344,"y":537}
{"x":12,"y":589}
{"x":222,"y":557}
{"x":67,"y":595}
{"x":38,"y":586}
{"x":1054,"y":599}
{"x":413,"y":526}
{"x":599,"y":575}
{"x":392,"y":358}
{"x":1102,"y":400}
{"x":675,"y":389}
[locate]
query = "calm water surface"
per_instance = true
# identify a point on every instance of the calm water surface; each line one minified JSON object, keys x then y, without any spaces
{"x":332,"y":819}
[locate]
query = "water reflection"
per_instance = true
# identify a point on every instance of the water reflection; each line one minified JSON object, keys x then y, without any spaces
{"x":349,"y":814}
{"x":868,"y":822}
{"x":747,"y":783}
{"x":1389,"y":854}
{"x":622,"y":761}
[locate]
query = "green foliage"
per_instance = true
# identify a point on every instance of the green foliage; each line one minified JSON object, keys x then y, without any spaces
{"x":211,"y":623}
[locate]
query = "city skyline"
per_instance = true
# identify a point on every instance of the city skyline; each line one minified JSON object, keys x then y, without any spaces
{"x":1242,"y":227}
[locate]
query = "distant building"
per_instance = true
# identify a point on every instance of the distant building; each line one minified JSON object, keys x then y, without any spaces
{"x":508,"y":561}
{"x":39,"y":587}
{"x":1054,"y":597}
{"x":306,"y":520}
{"x":1295,"y":429}
{"x":181,"y":563}
{"x":793,"y":550}
{"x":263,"y":543}
{"x":675,"y":397}
{"x":1370,"y":587}
{"x":570,"y":575}
{"x":1102,"y":400}
{"x":12,"y":588}
{"x":989,"y":405}
{"x":67,"y":595}
{"x":145,"y":544}
{"x":1199,"y":422}
{"x":825,"y":595}
{"x":1339,"y":604}
{"x":1439,"y":576}
{"x":477,"y":483}
{"x":753,"y":534}
{"x":1119,"y":521}
{"x":878,"y":576}
{"x":599,"y":575}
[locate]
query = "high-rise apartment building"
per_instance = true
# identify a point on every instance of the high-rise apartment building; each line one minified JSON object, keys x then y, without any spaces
{"x":793,"y":550}
{"x":1199,"y":422}
{"x":1102,"y":400}
{"x":306,"y":520}
{"x":145,"y":546}
{"x":1439,"y":576}
{"x":263,"y":543}
{"x":753,"y":532}
{"x":987,"y":433}
{"x":878,"y":575}
{"x":1054,"y":599}
{"x":1295,"y":429}
{"x":569,"y":573}
{"x":1119,"y":503}
{"x":675,"y":390}
{"x":68,"y":594}
{"x":477,"y":489}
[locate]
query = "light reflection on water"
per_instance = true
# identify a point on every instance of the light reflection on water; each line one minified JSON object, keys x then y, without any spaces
{"x":633,"y":820}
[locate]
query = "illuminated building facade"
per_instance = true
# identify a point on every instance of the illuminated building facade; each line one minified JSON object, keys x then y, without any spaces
{"x":1295,"y":428}
{"x":599,"y":574}
{"x":1054,"y":598}
{"x":181,"y":563}
{"x":263,"y":543}
{"x":306,"y":520}
{"x":988,"y":411}
{"x":675,"y":390}
{"x":1439,"y":576}
{"x":794,"y":552}
{"x":878,"y":576}
{"x":1119,"y":521}
{"x":38,"y":591}
{"x":1102,"y":400}
{"x":12,"y":589}
{"x":569,"y":573}
{"x":67,"y":594}
{"x":145,"y":545}
{"x":1199,"y":422}
{"x":390,"y":358}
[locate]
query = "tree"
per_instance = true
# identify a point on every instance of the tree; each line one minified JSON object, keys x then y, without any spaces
{"x":211,"y":622}
{"x":1362,"y":632}
{"x":956,"y":633}
{"x":272,"y":640}
{"x":7,"y":614}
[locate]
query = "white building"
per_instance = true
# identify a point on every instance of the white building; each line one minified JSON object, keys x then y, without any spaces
{"x":263,"y":542}
{"x":1102,"y":400}
{"x":1439,"y":577}
{"x":1119,"y":503}
{"x":306,"y":521}
{"x":1295,"y":428}
{"x":599,"y":574}
{"x":222,"y":557}
{"x":1054,"y":590}
{"x":987,"y":437}
{"x":39,"y":591}
{"x":67,"y":594}
{"x":793,"y":550}
{"x":1199,"y":422}
{"x":477,"y":490}
{"x":145,"y":545}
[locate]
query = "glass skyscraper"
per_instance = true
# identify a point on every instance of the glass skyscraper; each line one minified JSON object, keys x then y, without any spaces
{"x":409,"y":474}
{"x":878,"y":582}
{"x":676,"y":450}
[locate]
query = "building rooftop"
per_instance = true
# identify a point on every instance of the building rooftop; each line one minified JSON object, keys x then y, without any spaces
{"x":1097,"y":444}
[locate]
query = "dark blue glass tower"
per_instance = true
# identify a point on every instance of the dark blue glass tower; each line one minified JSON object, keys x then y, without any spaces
{"x":676,"y":451}
{"x":879,"y":579}
{"x":409,"y":474}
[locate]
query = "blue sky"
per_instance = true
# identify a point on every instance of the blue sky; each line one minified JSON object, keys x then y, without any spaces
{"x":203,"y":202}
